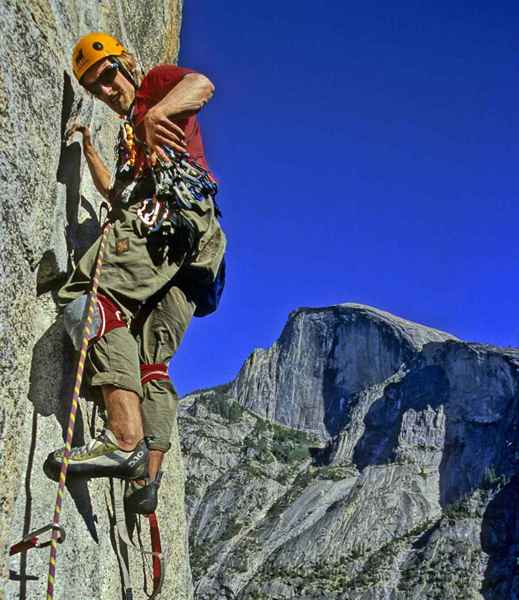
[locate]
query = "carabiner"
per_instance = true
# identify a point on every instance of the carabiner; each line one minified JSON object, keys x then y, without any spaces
{"x":31,"y":540}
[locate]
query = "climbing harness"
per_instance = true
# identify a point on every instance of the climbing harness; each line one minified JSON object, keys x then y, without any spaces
{"x":32,"y":539}
{"x":106,"y":316}
{"x":72,"y":415}
{"x":178,"y":183}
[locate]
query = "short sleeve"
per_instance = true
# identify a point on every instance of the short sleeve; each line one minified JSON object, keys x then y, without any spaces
{"x":158,"y":82}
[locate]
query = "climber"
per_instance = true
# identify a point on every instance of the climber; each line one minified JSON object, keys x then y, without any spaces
{"x":163,"y":260}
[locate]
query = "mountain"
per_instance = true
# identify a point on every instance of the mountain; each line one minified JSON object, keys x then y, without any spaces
{"x":362,"y":456}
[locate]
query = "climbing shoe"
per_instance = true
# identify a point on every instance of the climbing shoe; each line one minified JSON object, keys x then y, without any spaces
{"x":101,"y":457}
{"x":142,"y":498}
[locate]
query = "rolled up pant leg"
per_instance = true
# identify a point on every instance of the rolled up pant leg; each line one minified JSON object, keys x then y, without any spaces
{"x":159,"y":338}
{"x":113,"y":359}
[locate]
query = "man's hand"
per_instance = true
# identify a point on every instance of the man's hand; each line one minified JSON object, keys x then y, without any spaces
{"x":185,"y":99}
{"x":159,"y":131}
{"x":83,"y":130}
{"x":100,"y":174}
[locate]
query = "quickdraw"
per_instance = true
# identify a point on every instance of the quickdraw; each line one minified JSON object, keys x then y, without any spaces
{"x":182,"y":181}
{"x":153,"y":213}
{"x":179,"y":183}
{"x":32,"y":539}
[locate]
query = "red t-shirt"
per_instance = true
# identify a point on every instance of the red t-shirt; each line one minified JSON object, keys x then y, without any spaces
{"x":155,"y":85}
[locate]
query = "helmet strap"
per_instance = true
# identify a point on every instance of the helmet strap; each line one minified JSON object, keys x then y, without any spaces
{"x":124,"y":71}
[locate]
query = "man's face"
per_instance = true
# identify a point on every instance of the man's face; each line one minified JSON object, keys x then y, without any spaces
{"x":109,"y":85}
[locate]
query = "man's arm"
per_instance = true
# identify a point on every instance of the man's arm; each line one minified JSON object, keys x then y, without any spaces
{"x":100,"y":174}
{"x":187,"y":98}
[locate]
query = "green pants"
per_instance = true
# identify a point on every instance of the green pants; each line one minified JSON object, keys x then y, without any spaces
{"x":138,"y":276}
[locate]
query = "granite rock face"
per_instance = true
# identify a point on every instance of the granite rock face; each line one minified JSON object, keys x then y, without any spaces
{"x":49,"y":216}
{"x":361,"y":457}
{"x":335,"y":353}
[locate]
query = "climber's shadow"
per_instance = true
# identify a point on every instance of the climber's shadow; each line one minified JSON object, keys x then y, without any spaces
{"x":50,"y":391}
{"x":52,"y":395}
{"x":54,"y":360}
{"x":79,"y":235}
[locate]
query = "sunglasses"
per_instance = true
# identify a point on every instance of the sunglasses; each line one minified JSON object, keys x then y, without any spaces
{"x":106,"y":78}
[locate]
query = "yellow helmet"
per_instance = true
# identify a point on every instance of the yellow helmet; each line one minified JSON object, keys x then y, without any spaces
{"x":92,"y":48}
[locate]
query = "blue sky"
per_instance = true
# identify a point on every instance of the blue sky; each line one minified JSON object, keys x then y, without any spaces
{"x":366,"y":153}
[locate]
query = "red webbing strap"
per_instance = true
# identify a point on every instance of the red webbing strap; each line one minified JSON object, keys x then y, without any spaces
{"x":73,"y":412}
{"x":23,"y":546}
{"x":156,"y":548}
{"x":158,"y":569}
{"x":153,"y":372}
{"x":111,"y":316}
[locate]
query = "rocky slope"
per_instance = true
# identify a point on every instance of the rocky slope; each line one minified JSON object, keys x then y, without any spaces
{"x":361,"y":457}
{"x":49,"y":216}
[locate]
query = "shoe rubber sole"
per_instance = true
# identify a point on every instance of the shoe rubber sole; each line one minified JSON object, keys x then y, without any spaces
{"x":52,"y":468}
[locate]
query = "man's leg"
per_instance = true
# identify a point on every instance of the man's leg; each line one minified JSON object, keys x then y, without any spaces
{"x":120,"y":451}
{"x":160,"y":333}
{"x":123,"y":409}
{"x":155,"y":458}
{"x":160,"y":337}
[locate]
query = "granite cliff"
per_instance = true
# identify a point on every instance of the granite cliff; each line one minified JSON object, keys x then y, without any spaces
{"x":49,"y":215}
{"x":361,"y":457}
